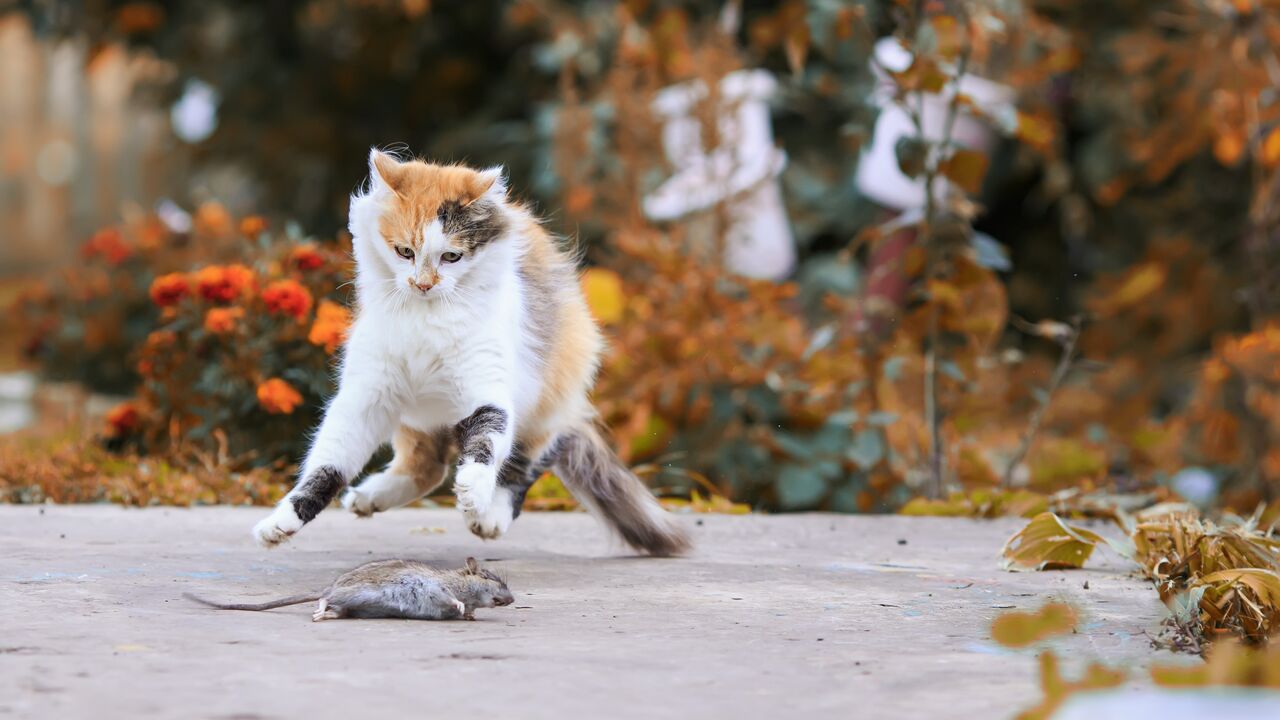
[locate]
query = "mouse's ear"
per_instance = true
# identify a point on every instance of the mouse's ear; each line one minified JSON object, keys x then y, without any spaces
{"x":471,"y":565}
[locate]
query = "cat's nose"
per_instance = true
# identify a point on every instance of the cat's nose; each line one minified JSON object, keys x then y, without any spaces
{"x":419,"y":286}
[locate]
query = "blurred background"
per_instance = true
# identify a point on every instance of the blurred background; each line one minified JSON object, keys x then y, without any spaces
{"x":953,"y":257}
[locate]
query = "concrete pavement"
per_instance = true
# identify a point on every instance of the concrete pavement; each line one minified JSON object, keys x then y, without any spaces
{"x":812,"y":616}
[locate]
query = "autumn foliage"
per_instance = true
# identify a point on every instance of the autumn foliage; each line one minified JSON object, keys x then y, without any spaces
{"x":1088,"y":304}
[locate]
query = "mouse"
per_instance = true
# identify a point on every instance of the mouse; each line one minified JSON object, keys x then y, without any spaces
{"x":406,"y":589}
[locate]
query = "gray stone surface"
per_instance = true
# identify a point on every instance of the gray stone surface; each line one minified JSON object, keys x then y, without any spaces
{"x":810,"y":616}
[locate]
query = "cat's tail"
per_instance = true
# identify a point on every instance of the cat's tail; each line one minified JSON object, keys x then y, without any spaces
{"x":269,"y":605}
{"x":607,"y":487}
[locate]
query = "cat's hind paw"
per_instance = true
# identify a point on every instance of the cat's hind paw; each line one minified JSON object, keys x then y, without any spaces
{"x":359,"y":503}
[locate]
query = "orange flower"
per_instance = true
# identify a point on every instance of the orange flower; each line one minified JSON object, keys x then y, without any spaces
{"x":221,"y":321}
{"x":159,"y":340}
{"x":122,"y":420}
{"x":278,"y":397}
{"x":306,"y":257}
{"x":167,"y":290}
{"x":224,"y":283}
{"x":213,"y":219}
{"x":330,"y":327}
{"x":287,"y":297}
{"x":251,"y":226}
{"x":152,"y":234}
{"x":109,"y":244}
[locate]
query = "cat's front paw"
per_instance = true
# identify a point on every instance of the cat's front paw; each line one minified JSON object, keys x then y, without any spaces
{"x":494,"y":521}
{"x":474,"y":485}
{"x":277,"y":527}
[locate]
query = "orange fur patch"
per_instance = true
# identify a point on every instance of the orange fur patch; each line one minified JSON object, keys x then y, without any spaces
{"x":420,"y":189}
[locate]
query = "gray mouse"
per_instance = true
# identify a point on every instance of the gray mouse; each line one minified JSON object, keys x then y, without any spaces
{"x":397,"y":589}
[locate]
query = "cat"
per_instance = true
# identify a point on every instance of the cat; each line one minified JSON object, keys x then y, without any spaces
{"x":473,"y":346}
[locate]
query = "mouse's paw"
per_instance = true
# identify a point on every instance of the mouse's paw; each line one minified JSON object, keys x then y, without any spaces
{"x":277,"y":527}
{"x":474,"y":485}
{"x":462,"y":607}
{"x":494,"y":522}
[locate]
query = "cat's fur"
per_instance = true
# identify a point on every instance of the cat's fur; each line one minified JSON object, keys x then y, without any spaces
{"x":480,"y":347}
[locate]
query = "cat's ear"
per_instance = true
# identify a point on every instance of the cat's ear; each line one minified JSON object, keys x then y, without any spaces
{"x":490,"y":183}
{"x":386,"y":172}
{"x":472,"y":566}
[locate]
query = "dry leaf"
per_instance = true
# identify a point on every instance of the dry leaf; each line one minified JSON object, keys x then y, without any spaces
{"x":1244,"y":601}
{"x":1020,"y":629}
{"x":603,"y":289}
{"x":1048,"y":543}
{"x":967,"y":169}
{"x":1229,"y":663}
{"x":1057,"y":688}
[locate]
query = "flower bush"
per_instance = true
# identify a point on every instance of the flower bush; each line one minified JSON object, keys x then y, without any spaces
{"x":86,"y":323}
{"x":245,"y":358}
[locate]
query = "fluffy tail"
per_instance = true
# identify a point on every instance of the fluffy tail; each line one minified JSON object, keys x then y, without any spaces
{"x":268,"y":605}
{"x":595,"y":475}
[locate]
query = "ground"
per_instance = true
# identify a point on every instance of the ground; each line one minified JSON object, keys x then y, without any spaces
{"x":813,"y":616}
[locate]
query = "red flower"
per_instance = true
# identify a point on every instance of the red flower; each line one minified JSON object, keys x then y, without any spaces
{"x":287,"y":297}
{"x":278,"y":397}
{"x":306,"y":257}
{"x":109,"y":244}
{"x":224,"y":283}
{"x":122,"y":420}
{"x":167,"y":290}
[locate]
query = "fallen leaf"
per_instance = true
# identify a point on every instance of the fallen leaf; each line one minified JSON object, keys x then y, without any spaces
{"x":1048,"y":543}
{"x":1245,"y":601}
{"x":1020,"y":629}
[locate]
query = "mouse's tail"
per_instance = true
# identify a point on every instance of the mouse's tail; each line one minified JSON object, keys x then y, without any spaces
{"x":269,"y":605}
{"x":607,"y":487}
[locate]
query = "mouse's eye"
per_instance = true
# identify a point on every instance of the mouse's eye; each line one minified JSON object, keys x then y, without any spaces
{"x":404,"y":252}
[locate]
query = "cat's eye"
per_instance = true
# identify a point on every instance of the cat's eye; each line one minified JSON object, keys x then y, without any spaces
{"x":450,"y":257}
{"x":404,"y":252}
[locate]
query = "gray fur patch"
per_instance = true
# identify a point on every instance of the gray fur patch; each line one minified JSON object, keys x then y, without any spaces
{"x":472,"y":226}
{"x":315,"y":492}
{"x":520,"y":476}
{"x":594,"y":474}
{"x":515,"y":476}
{"x":473,"y":432}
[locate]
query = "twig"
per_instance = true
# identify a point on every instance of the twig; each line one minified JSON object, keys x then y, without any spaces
{"x":934,"y":418}
{"x":931,"y":406}
{"x":1068,"y":342}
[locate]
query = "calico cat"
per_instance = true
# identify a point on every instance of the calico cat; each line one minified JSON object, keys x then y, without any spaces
{"x":472,"y":345}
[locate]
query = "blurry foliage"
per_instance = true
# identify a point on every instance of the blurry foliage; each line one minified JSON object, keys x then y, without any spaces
{"x":1137,"y":192}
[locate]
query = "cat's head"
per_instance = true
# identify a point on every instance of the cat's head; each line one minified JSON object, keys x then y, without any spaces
{"x":421,"y":228}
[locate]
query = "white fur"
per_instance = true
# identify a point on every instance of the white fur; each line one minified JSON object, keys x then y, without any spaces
{"x":426,"y":360}
{"x":277,"y":527}
{"x":379,"y":492}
